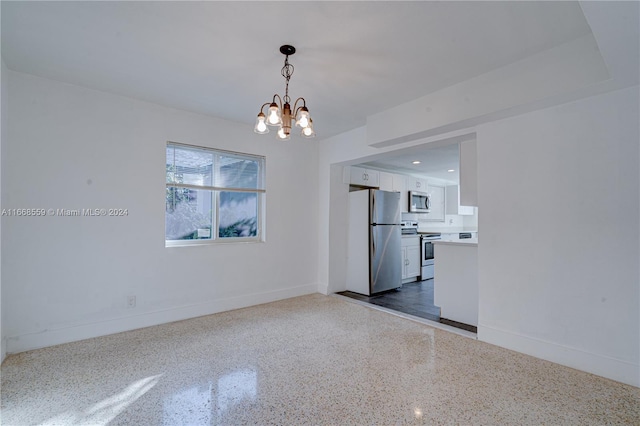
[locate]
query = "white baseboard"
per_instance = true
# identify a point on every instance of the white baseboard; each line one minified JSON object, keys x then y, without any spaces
{"x":600,"y":365}
{"x":51,"y":337}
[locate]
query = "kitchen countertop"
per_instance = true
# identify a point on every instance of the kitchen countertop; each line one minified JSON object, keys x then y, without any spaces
{"x":466,"y":242}
{"x":447,"y":230}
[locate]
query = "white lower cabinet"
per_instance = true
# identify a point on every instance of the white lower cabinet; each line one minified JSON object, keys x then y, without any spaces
{"x":411,"y":264}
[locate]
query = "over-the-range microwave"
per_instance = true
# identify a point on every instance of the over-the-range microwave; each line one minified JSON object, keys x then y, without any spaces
{"x":419,"y":202}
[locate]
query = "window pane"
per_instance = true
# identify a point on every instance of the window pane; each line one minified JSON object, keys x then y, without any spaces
{"x":239,"y":172}
{"x":189,"y":165}
{"x":188,"y":214}
{"x":238,"y":214}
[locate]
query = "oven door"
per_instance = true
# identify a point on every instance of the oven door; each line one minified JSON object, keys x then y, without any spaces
{"x":427,"y":251}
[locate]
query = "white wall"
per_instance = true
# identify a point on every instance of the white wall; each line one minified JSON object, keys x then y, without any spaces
{"x":558,"y":258}
{"x":541,"y":290}
{"x":3,"y":132}
{"x":68,"y":278}
{"x":522,"y":86}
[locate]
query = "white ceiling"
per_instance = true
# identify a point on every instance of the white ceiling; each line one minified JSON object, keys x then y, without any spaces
{"x":354,"y":59}
{"x":435,"y":162}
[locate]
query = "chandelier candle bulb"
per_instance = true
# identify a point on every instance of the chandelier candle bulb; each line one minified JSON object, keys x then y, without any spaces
{"x":261,"y":124}
{"x":280,"y":114}
{"x":282,"y":135}
{"x":275,"y":118}
{"x":303,"y":117}
{"x":308,"y":131}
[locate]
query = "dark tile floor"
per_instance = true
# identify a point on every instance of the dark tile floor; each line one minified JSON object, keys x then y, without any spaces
{"x":412,"y":298}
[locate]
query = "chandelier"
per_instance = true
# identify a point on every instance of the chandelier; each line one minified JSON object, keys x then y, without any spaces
{"x":280,"y":113}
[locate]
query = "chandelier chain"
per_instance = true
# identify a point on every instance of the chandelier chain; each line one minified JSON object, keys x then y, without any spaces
{"x":287,"y":72}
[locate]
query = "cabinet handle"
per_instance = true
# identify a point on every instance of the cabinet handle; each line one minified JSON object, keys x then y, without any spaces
{"x":364,"y":176}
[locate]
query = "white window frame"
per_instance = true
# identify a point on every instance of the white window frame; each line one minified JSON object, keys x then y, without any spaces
{"x":216,"y":190}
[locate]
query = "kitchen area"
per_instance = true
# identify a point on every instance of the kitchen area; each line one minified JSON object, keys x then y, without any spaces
{"x":412,"y":243}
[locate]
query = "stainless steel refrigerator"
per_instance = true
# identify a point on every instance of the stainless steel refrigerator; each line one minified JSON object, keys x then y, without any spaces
{"x":374,"y":257}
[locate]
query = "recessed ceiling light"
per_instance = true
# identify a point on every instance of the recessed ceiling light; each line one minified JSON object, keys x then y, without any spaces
{"x":451,"y":170}
{"x":415,"y":162}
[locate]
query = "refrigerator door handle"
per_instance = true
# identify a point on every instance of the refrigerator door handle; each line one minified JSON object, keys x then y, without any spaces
{"x":373,"y":207}
{"x":373,"y":246}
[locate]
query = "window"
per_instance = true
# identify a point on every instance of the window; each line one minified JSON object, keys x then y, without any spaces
{"x":213,"y":195}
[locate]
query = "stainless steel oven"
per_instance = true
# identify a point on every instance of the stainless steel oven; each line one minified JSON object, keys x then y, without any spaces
{"x":427,"y":255}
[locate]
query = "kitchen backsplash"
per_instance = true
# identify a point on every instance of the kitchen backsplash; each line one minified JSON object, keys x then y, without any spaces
{"x":450,"y":221}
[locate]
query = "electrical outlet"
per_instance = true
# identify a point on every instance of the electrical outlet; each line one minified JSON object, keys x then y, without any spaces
{"x":131,"y":302}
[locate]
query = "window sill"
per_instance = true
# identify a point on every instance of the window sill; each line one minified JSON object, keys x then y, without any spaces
{"x":203,"y":243}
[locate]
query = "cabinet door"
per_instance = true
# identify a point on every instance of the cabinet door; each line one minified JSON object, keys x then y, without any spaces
{"x":364,"y":177}
{"x":405,"y":261}
{"x":400,"y":185}
{"x":373,"y":178}
{"x":436,"y":212}
{"x":386,"y":181}
{"x":415,"y":184}
{"x":358,"y":176}
{"x":414,"y":264}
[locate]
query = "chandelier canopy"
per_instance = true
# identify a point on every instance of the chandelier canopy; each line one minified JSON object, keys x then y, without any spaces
{"x":280,"y":114}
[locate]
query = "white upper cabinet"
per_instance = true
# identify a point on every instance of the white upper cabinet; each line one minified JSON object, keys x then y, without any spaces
{"x":364,"y":177}
{"x":386,"y":181}
{"x":453,"y":202}
{"x":415,"y":184}
{"x":437,"y":198}
{"x":468,"y":173}
{"x":400,"y":185}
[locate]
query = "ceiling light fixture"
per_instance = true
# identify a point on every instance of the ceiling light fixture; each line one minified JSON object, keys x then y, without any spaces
{"x":280,"y":113}
{"x":451,"y":170}
{"x":415,"y":162}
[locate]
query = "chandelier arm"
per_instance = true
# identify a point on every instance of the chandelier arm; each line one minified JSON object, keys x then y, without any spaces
{"x":264,"y":105}
{"x":279,"y":100}
{"x":296,"y":107}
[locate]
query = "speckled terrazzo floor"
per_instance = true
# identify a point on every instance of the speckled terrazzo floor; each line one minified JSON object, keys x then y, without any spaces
{"x":307,"y":360}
